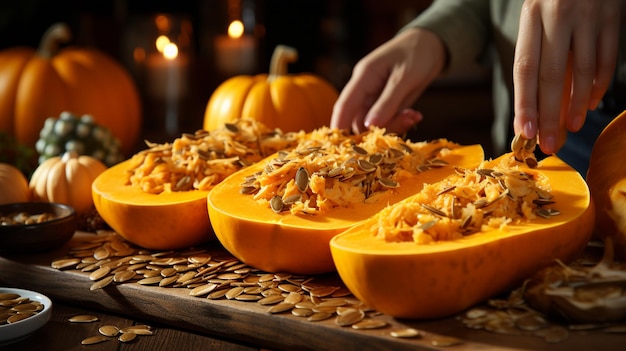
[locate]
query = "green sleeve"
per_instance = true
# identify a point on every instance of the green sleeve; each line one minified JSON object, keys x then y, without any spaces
{"x":463,"y":25}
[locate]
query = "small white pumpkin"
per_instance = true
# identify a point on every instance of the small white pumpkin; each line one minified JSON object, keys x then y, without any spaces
{"x":66,"y":179}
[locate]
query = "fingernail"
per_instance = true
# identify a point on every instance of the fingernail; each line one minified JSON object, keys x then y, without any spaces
{"x":529,"y":130}
{"x":577,"y":122}
{"x":548,"y":144}
{"x":593,"y":103}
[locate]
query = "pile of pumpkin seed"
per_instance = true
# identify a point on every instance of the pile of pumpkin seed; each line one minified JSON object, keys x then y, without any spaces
{"x":216,"y":275}
{"x":14,"y":308}
{"x":25,"y":218}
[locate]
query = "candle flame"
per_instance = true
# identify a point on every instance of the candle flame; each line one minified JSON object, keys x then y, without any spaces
{"x":166,"y":47}
{"x":235,"y":29}
{"x":170,"y":51}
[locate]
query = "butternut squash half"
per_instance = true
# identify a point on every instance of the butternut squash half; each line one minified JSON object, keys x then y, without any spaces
{"x":296,"y":241}
{"x":409,"y":279}
{"x":164,"y":221}
{"x":607,"y":180}
{"x":157,"y":199}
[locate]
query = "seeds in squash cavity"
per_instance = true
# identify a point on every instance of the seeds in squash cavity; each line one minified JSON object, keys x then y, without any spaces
{"x":302,"y":179}
{"x":388,"y":183}
{"x":366,"y":166}
{"x":359,"y":150}
{"x":276,"y":203}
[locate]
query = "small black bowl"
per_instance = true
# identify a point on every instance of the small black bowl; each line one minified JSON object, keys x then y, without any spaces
{"x":38,"y":237}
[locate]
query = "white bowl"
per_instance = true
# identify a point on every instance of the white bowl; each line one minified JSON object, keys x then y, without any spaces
{"x":14,"y":332}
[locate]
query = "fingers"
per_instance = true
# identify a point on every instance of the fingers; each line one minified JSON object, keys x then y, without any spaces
{"x":404,"y":120}
{"x":607,"y":47}
{"x":526,"y":71}
{"x":354,"y":101}
{"x":392,"y":99}
{"x":564,"y":61}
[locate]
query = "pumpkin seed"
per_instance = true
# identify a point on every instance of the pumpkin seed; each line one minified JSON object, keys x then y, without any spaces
{"x":94,"y":340}
{"x":276,"y":203}
{"x":109,"y":330}
{"x":83,"y":318}
{"x":302,"y":179}
{"x":127,"y":337}
{"x":407,"y":333}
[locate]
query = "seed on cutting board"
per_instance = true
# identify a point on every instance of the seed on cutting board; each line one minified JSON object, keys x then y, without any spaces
{"x":64,"y":263}
{"x":445,"y":341}
{"x":123,"y":276}
{"x":109,"y":330}
{"x":319,"y":316}
{"x":302,"y":312}
{"x":349,"y":318}
{"x":281,"y":307}
{"x":406,"y":333}
{"x":102,"y":283}
{"x":369,"y":323}
{"x":83,"y":318}
{"x":127,"y":337}
{"x":99,"y":273}
{"x":94,"y":340}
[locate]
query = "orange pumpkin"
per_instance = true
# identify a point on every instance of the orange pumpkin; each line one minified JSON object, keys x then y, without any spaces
{"x":607,"y":180}
{"x":13,"y":185}
{"x":278,"y":100}
{"x":35,"y":85}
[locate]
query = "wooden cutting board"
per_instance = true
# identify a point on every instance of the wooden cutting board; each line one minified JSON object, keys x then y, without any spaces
{"x":250,"y":321}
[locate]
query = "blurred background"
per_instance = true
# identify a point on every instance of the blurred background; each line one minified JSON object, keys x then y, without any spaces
{"x":330,"y":36}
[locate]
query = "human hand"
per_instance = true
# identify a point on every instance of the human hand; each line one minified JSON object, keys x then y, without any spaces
{"x":565,"y":57}
{"x":387,"y":81}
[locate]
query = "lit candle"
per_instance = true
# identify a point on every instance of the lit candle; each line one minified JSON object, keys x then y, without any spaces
{"x":235,"y":52}
{"x":167,"y":75}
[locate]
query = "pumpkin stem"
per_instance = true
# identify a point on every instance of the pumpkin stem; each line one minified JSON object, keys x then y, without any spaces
{"x":281,"y":57}
{"x":55,"y":35}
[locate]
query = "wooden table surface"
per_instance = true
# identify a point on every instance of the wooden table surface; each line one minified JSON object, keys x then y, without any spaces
{"x":61,"y":335}
{"x":187,"y":322}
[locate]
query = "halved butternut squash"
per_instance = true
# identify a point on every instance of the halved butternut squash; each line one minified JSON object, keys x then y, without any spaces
{"x":284,"y":241}
{"x":406,"y":279}
{"x":607,"y":181}
{"x":164,"y":221}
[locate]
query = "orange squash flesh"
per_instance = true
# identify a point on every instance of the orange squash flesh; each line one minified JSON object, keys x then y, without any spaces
{"x":299,"y":243}
{"x":607,"y":178}
{"x":408,"y":280}
{"x":164,"y":221}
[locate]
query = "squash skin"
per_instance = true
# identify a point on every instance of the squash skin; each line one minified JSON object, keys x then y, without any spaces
{"x":291,"y":102}
{"x":606,"y":172}
{"x":406,"y":280}
{"x":166,"y":221}
{"x":81,"y":80}
{"x":296,"y":243}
